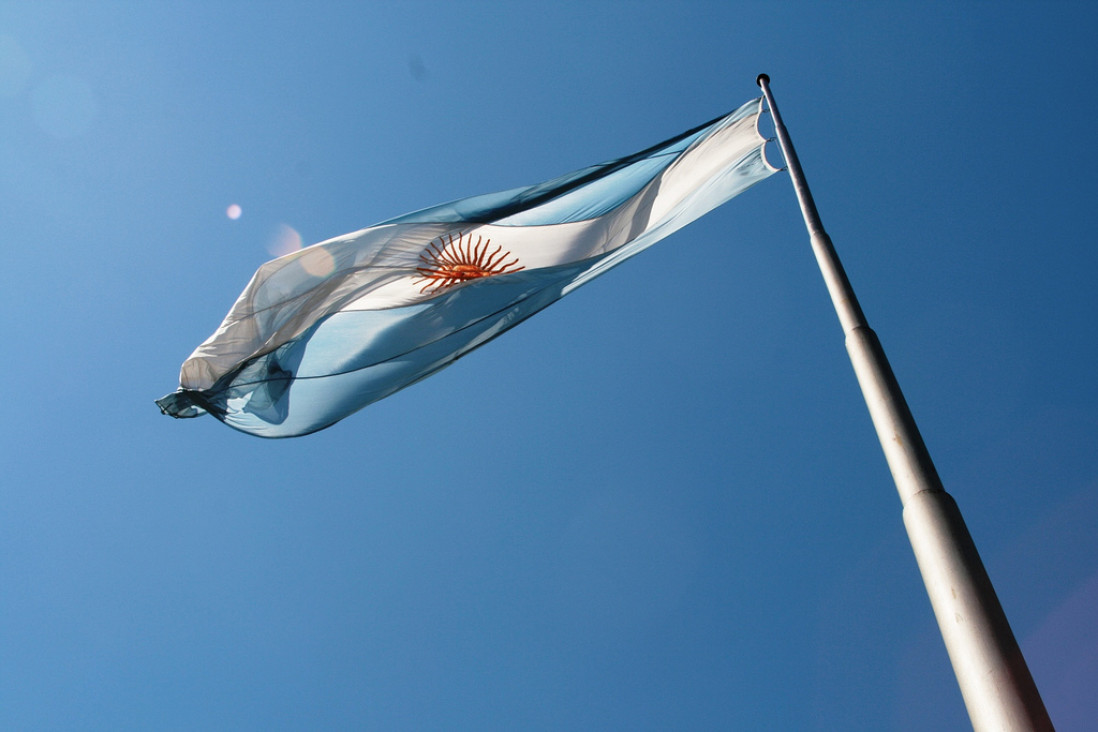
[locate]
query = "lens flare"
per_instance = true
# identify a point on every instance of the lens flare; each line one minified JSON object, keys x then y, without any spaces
{"x":285,"y":240}
{"x":317,"y":262}
{"x":234,"y":211}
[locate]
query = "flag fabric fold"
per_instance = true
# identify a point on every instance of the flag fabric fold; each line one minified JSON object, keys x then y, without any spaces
{"x":324,"y":331}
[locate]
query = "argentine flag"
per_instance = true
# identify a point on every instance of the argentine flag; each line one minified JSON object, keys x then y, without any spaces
{"x":322,"y":332}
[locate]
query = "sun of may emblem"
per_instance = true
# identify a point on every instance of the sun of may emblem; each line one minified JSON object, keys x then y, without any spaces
{"x":447,"y":262}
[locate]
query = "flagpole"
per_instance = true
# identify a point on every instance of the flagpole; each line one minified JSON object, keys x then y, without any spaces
{"x":995,"y":682}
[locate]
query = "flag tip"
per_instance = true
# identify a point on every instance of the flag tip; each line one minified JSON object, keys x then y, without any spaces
{"x":761,"y":78}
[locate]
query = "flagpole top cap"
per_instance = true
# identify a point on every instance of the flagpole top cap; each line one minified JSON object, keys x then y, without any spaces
{"x":761,"y":78}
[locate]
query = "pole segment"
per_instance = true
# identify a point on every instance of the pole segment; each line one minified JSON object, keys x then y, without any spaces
{"x":998,"y":690}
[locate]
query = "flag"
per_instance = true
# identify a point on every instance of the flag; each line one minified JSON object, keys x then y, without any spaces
{"x":326,"y":330}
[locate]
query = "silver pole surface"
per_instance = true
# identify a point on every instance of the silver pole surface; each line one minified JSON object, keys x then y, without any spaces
{"x":995,"y":682}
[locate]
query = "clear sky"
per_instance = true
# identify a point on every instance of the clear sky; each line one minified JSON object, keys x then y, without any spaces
{"x":660,"y":504}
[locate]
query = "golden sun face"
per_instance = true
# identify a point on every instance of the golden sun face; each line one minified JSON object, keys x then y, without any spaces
{"x":447,"y":262}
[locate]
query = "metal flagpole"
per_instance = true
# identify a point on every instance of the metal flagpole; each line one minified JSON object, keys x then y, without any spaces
{"x":995,"y":682}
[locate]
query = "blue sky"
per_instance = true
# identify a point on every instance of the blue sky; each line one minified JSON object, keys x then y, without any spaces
{"x":660,"y":504}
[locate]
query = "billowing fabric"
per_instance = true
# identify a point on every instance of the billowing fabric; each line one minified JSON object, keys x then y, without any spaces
{"x":324,"y":331}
